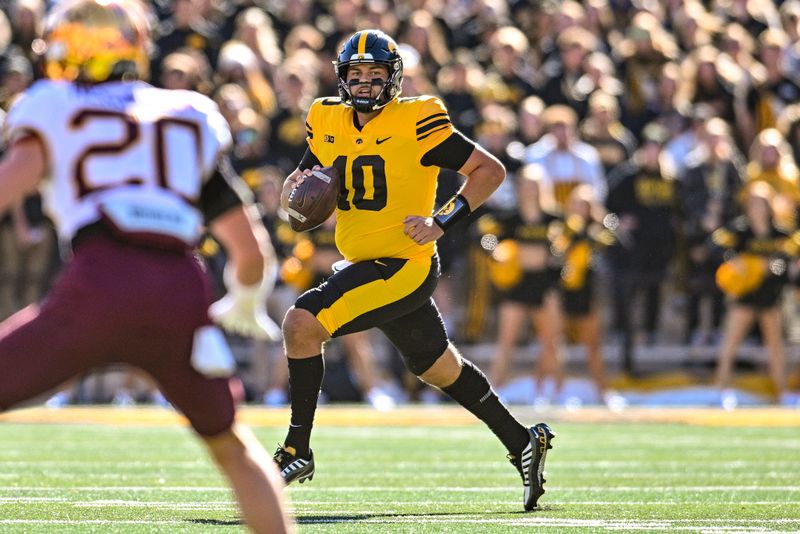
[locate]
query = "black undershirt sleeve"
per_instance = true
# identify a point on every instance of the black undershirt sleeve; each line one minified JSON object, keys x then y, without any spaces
{"x":223,"y":191}
{"x":309,"y":160}
{"x":451,"y":153}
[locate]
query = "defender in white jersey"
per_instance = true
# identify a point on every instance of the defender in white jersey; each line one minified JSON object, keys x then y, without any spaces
{"x":124,"y":151}
{"x":132,"y":175}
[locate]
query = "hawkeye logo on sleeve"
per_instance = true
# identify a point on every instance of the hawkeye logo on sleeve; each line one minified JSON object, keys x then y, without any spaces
{"x":448,"y":208}
{"x":328,"y":138}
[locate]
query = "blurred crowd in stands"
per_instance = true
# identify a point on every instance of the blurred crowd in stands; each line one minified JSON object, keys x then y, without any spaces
{"x":652,"y":150}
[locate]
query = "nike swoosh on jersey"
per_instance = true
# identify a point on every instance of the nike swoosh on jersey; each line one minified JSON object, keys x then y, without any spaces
{"x":379,"y":141}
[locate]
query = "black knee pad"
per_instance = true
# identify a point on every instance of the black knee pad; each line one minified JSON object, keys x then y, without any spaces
{"x":424,"y":357}
{"x":420,"y":337}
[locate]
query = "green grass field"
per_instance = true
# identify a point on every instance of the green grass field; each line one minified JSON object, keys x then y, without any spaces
{"x":602,"y":476}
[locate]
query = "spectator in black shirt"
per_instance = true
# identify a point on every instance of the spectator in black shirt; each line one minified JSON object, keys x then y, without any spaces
{"x":455,"y":82}
{"x":775,"y":89}
{"x":564,"y":73}
{"x":603,"y":130}
{"x":509,"y":51}
{"x":710,"y":186}
{"x":186,"y":27}
{"x":643,"y":195}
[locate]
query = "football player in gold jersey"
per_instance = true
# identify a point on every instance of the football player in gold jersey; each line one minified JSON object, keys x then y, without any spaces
{"x":388,"y":151}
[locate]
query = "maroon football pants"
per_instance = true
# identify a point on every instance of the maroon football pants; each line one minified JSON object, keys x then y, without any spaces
{"x":118,"y":303}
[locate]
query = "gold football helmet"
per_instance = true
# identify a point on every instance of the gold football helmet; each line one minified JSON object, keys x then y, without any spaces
{"x":92,"y":41}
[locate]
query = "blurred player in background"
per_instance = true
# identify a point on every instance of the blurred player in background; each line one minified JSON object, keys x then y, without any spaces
{"x":128,"y":174}
{"x":388,"y":152}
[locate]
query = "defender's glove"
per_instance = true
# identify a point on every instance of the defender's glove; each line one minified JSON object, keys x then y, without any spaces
{"x":243,"y":310}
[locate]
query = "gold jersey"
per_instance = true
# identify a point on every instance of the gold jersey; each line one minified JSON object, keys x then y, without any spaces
{"x":383,"y":179}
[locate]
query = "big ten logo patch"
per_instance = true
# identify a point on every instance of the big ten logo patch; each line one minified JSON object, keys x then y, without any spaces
{"x":328,"y":138}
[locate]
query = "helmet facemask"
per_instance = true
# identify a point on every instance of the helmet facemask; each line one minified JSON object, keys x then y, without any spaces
{"x":362,"y":104}
{"x":381,"y":51}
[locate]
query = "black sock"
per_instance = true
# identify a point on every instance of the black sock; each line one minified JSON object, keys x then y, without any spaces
{"x":473,"y":391}
{"x":305,"y":381}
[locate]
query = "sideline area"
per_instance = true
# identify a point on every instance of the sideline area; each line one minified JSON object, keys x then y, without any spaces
{"x":351,"y":415}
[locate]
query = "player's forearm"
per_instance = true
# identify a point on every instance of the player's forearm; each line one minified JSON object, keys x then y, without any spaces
{"x":12,"y":193}
{"x":20,"y":171}
{"x":251,"y":262}
{"x":245,"y":242}
{"x":484,"y":175}
{"x":249,"y":268}
{"x":482,"y":179}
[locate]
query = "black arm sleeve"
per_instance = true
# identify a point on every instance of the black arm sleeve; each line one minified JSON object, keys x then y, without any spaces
{"x":223,"y":191}
{"x":309,"y":160}
{"x":451,"y":153}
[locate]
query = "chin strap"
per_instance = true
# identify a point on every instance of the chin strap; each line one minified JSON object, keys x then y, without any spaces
{"x":368,"y":104}
{"x":454,"y":210}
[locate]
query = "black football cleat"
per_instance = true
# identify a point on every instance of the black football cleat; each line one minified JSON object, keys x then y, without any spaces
{"x":293,"y":468}
{"x":530,"y":464}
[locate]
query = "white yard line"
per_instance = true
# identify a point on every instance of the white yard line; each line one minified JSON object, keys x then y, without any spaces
{"x":311,"y":506}
{"x":702,"y":526}
{"x":137,"y":464}
{"x":190,"y":489}
{"x":412,"y":489}
{"x":571,"y":464}
{"x":552,"y":489}
{"x":91,"y":522}
{"x":531,"y":521}
{"x":14,"y":500}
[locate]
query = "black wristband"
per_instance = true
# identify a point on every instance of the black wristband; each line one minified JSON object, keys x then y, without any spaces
{"x":453,"y":211}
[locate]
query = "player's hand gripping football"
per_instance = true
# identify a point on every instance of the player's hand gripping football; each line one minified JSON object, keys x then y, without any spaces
{"x":294,"y":181}
{"x":243,"y":310}
{"x":422,"y":229}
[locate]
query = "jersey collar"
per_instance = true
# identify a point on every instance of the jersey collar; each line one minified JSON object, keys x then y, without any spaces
{"x":382,"y":111}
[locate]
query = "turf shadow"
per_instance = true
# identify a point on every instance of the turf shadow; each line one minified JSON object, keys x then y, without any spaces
{"x":538,"y":509}
{"x":217,"y":522}
{"x":345,"y":518}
